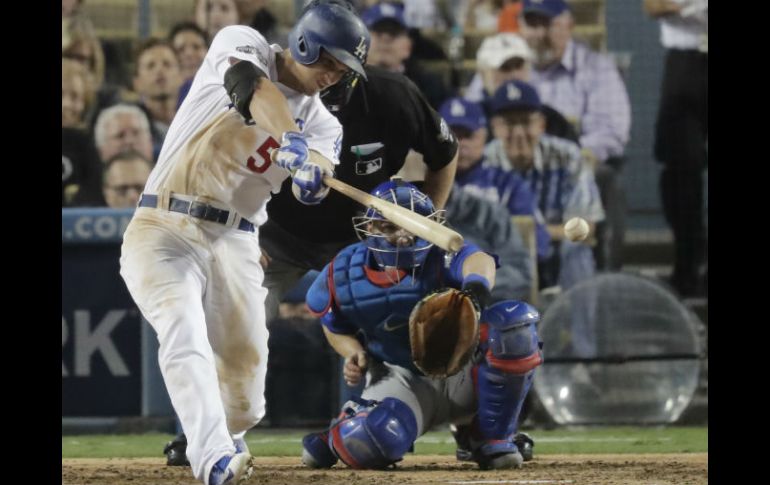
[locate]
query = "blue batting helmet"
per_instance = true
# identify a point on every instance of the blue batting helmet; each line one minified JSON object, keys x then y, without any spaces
{"x":386,"y":254}
{"x":331,"y":25}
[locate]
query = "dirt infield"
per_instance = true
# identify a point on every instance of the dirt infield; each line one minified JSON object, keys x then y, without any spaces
{"x":668,"y":469}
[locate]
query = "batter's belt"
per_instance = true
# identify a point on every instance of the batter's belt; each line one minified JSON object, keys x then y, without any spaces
{"x":198,"y":209}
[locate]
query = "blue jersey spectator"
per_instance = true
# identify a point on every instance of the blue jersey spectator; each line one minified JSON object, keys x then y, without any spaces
{"x":499,"y":186}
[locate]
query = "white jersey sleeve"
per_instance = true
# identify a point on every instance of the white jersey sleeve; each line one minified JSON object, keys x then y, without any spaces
{"x":239,"y":42}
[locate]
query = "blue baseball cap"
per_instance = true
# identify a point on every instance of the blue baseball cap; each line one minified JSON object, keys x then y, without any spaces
{"x":515,"y":95}
{"x":461,"y":112}
{"x":382,"y":11}
{"x":549,"y":8}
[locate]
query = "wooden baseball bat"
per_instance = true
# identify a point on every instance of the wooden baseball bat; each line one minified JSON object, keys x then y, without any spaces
{"x":417,"y":224}
{"x":420,"y":226}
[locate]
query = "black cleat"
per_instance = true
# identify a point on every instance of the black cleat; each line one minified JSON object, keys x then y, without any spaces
{"x":176,"y":451}
{"x":524,"y":443}
{"x":461,"y":434}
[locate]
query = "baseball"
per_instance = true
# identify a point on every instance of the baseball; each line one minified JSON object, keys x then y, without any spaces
{"x":576,"y":229}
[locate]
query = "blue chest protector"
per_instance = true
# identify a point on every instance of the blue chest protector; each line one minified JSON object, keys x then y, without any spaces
{"x":380,"y":309}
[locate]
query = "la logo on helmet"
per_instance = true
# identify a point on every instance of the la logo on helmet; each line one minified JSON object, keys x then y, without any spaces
{"x":361,"y":48}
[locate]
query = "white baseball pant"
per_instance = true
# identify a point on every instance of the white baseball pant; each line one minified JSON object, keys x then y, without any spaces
{"x":199,"y":284}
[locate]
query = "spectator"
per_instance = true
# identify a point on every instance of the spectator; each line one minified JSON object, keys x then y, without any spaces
{"x":257,"y":15}
{"x":77,"y":94}
{"x":80,"y":163}
{"x":213,"y":15}
{"x":121,"y":128}
{"x":493,"y":183}
{"x":503,"y":57}
{"x":586,"y":87}
{"x":681,"y":132}
{"x":190,"y":44}
{"x":391,"y":49}
{"x":157,"y":79}
{"x":125,"y":175}
{"x":79,"y":43}
{"x":80,"y":169}
{"x":560,"y":178}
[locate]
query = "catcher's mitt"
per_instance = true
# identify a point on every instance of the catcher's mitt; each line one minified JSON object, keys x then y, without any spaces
{"x":443,"y":332}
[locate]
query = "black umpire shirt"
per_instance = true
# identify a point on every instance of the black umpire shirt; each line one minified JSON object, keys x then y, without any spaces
{"x":385,"y":117}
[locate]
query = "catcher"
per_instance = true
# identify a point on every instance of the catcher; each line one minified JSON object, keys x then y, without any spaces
{"x":426,"y":358}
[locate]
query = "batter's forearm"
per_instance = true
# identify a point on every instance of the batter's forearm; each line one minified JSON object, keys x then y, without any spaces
{"x":345,"y":345}
{"x":438,"y":184}
{"x":270,"y":110}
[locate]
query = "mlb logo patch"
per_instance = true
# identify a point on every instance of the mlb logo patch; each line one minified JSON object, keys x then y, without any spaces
{"x":366,"y":167}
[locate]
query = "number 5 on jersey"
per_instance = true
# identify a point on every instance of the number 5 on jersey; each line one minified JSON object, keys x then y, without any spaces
{"x":264,"y":153}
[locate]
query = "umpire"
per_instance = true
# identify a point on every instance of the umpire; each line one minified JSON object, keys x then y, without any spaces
{"x":382,"y":119}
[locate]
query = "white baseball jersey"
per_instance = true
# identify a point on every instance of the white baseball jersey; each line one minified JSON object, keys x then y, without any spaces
{"x":234,"y":167}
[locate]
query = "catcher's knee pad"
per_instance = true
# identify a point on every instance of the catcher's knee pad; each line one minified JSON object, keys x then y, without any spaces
{"x":373,"y":435}
{"x":509,"y":337}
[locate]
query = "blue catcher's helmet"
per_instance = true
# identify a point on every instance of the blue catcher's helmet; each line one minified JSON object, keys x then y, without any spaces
{"x":331,"y":25}
{"x":386,"y":254}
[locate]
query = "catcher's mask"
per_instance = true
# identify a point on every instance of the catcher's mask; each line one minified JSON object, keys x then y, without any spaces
{"x":385,"y":253}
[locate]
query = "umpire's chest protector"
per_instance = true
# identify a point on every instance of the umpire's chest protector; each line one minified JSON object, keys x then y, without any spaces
{"x":377,"y":306}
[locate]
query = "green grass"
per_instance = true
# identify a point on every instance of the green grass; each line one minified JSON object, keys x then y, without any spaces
{"x":266,"y":442}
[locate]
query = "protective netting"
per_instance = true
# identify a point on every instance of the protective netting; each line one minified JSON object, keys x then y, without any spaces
{"x":618,"y":349}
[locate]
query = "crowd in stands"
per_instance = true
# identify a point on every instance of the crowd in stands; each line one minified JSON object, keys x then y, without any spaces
{"x":542,"y":119}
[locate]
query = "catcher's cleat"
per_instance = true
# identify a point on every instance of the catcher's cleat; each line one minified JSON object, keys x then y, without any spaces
{"x":176,"y":451}
{"x":316,"y":452}
{"x":231,"y":469}
{"x":462,"y":435}
{"x":497,"y":455}
{"x":525,"y":444}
